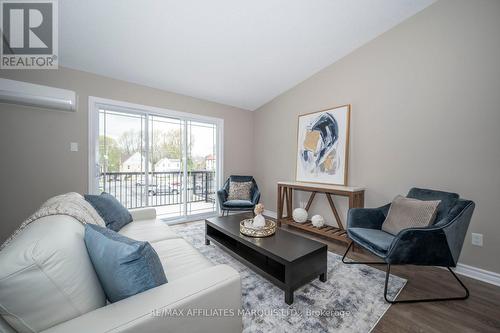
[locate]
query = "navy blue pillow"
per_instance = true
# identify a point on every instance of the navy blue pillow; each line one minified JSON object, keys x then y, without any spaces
{"x":111,"y":210}
{"x":124,"y":266}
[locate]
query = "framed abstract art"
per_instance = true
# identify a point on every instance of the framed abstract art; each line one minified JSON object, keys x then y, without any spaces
{"x":323,"y":145}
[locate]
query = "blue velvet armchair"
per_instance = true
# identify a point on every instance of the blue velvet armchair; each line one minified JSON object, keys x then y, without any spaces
{"x":238,"y":205}
{"x":439,"y":244}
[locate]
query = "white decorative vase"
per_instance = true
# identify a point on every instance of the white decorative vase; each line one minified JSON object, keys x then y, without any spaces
{"x":317,"y":221}
{"x":299,"y":215}
{"x":259,"y":221}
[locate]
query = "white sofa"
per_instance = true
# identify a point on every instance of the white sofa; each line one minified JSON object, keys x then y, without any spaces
{"x":48,"y":284}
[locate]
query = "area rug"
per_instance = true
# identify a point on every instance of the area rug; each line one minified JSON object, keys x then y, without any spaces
{"x":351,"y":300}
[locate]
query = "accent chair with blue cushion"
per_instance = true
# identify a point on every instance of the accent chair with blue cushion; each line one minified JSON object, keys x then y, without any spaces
{"x":438,"y":244}
{"x":238,"y":205}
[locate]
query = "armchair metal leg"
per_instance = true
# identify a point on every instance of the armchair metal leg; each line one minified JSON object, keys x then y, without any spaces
{"x":388,"y":272}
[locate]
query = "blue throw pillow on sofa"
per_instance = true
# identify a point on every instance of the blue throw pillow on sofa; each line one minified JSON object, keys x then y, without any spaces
{"x":111,"y":210}
{"x":124,"y":266}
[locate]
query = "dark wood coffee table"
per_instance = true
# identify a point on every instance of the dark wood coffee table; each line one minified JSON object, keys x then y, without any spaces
{"x":286,"y":259}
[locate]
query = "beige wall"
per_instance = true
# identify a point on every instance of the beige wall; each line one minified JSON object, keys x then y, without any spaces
{"x":34,"y":144}
{"x":425,"y":112}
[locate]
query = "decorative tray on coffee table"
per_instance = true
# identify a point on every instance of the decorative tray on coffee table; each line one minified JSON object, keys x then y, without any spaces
{"x":266,"y":231}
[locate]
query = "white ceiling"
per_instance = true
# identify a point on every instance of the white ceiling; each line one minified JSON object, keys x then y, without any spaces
{"x":240,"y":53}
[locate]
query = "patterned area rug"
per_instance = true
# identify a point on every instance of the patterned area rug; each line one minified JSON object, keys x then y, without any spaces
{"x":351,"y":300}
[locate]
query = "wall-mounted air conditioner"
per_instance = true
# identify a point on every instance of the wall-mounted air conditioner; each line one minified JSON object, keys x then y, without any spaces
{"x":17,"y":92}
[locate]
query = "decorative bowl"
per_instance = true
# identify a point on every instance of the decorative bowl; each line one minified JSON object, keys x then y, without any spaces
{"x":267,"y":231}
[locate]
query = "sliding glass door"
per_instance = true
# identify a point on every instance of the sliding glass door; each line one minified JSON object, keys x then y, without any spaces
{"x":122,"y":157}
{"x":150,"y":159}
{"x":166,"y":156}
{"x":201,"y":167}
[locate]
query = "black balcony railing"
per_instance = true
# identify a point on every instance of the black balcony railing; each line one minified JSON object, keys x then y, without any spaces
{"x":161,"y":188}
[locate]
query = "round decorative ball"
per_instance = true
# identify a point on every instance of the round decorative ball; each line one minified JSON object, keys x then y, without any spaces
{"x":317,"y":221}
{"x":299,"y":215}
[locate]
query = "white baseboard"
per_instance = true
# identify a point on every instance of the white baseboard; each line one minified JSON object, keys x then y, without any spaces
{"x":462,"y":269}
{"x":478,"y":274}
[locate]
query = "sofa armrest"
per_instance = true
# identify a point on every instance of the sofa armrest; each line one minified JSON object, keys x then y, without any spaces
{"x":143,"y":214}
{"x":420,"y":246}
{"x":217,"y":287}
{"x":369,"y":218}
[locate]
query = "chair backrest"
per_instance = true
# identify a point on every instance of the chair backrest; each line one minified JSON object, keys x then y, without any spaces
{"x":453,"y":216}
{"x":237,"y":178}
{"x":448,"y":200}
{"x":455,"y":226}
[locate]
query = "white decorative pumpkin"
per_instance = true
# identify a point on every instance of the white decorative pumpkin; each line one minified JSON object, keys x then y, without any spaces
{"x":317,"y":221}
{"x":259,"y":221}
{"x":299,"y":215}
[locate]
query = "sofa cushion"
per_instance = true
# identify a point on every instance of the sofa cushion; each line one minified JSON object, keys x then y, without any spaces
{"x":148,"y":230}
{"x":448,"y":200}
{"x":179,"y":258}
{"x":48,"y":265}
{"x":372,"y":239}
{"x":111,"y":210}
{"x":238,"y":204}
{"x":124,"y":266}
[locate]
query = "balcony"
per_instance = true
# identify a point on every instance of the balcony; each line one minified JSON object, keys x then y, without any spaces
{"x":163,"y":190}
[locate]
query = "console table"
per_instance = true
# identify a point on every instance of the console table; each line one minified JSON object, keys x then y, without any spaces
{"x":356,"y":197}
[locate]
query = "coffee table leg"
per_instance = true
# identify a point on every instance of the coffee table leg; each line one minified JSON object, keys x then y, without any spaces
{"x":289,"y":296}
{"x":322,"y":277}
{"x":207,"y":241}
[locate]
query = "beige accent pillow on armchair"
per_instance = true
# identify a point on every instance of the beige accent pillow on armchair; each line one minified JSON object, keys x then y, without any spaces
{"x":407,"y":213}
{"x":240,"y":190}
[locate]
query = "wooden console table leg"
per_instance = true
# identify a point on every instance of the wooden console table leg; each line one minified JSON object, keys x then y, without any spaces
{"x":360,"y":203}
{"x":310,"y":201}
{"x":290,"y":202}
{"x":285,"y":201}
{"x":357,"y":200}
{"x":334,"y":210}
{"x":279,"y":206}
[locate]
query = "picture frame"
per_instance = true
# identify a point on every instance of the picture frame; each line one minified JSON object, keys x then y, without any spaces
{"x":322,"y":152}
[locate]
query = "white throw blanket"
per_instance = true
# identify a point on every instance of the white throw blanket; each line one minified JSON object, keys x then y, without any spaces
{"x":71,"y":204}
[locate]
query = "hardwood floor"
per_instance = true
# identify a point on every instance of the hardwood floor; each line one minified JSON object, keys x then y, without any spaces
{"x":479,"y":313}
